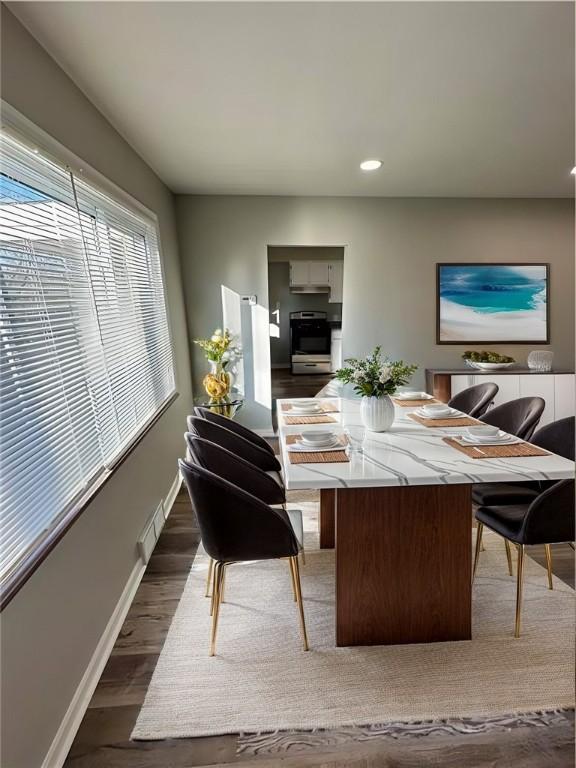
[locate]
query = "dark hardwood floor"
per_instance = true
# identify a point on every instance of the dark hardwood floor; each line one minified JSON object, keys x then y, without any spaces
{"x":284,"y":384}
{"x":103,"y":740}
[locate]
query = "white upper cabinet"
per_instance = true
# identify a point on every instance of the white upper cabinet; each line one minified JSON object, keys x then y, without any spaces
{"x":336,"y":280}
{"x":318,"y":274}
{"x":319,"y":271}
{"x":299,"y":273}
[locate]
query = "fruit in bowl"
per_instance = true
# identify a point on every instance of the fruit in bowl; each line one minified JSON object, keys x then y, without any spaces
{"x":489,"y":361}
{"x":487,"y":357}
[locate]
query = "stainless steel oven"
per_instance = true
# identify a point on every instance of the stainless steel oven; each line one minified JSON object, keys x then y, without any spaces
{"x":309,"y":342}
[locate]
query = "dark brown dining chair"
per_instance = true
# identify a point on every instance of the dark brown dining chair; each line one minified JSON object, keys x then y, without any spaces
{"x":244,"y":475}
{"x":233,"y":426}
{"x":557,"y":437}
{"x":237,"y":527}
{"x":548,"y":519}
{"x":475,"y":400}
{"x":234,"y":442}
{"x":517,"y":417}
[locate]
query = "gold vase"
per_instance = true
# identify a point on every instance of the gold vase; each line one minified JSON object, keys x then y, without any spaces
{"x":217,"y":386}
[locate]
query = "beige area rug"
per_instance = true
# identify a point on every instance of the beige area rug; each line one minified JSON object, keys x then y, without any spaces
{"x":261,"y":680}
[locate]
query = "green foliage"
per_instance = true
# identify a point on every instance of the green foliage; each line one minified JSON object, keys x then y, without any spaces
{"x":221,"y":348}
{"x":375,"y":375}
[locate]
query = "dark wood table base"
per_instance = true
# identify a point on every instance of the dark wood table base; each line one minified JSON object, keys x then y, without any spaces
{"x":403,"y":564}
{"x":327,"y":522}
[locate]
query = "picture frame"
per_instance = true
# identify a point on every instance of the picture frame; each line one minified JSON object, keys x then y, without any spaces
{"x":492,"y":303}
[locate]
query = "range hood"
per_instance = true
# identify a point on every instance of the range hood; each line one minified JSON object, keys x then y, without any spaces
{"x":309,"y":289}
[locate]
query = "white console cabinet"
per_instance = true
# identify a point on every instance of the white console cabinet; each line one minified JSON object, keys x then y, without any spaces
{"x":557,"y":389}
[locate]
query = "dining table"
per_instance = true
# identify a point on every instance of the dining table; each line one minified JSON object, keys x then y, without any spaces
{"x":399,"y":516}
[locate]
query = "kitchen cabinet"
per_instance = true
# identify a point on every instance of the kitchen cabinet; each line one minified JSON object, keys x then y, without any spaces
{"x":299,"y":273}
{"x":336,"y":281}
{"x":318,"y":273}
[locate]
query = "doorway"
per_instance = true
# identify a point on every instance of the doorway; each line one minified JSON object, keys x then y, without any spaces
{"x":305,"y":305}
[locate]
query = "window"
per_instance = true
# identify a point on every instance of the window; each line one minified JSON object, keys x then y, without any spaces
{"x":85,"y":353}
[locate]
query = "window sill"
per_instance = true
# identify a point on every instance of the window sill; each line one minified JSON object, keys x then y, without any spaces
{"x":36,"y":556}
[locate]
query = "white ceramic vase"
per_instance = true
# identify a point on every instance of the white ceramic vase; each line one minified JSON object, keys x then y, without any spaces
{"x":377,"y":413}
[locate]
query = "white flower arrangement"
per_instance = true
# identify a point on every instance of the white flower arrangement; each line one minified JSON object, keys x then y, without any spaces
{"x":375,"y":376}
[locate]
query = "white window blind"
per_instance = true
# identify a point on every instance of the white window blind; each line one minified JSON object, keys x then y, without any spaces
{"x":85,"y":352}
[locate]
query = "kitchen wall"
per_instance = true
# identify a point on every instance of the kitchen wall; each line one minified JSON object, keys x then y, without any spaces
{"x":52,"y":627}
{"x":392,"y":247}
{"x":280,"y":296}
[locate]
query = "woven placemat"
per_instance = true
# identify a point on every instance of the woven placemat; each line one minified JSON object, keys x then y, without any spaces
{"x":496,"y":451}
{"x":325,"y":419}
{"x":326,"y":407}
{"x":414,"y":403}
{"x":316,"y":457}
{"x":465,"y":421}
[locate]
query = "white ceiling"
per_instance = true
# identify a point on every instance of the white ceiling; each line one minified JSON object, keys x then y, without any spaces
{"x":457,"y":99}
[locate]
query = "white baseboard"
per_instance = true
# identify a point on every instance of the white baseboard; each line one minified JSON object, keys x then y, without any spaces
{"x":71,"y":722}
{"x":171,"y":495}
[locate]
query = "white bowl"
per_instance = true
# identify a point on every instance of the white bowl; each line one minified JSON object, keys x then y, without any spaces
{"x":484,"y":430}
{"x":412,"y":395}
{"x":493,"y":366}
{"x":318,"y":438}
{"x":436,"y":410}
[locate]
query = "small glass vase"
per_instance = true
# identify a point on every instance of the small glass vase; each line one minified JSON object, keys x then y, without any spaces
{"x":377,"y":413}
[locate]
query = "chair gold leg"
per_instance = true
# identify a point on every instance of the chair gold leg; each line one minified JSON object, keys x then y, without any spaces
{"x":479,"y":529}
{"x":549,"y":565}
{"x":213,"y":600}
{"x":296,"y":566}
{"x":209,"y":576}
{"x":509,"y":556}
{"x":293,"y":579}
{"x":223,"y":587}
{"x":217,"y":594}
{"x":520,"y":575}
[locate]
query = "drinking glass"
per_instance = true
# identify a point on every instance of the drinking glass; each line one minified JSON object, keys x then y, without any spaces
{"x":356,"y":436}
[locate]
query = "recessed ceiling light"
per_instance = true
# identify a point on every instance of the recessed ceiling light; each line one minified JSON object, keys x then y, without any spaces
{"x":371,"y":165}
{"x":573,"y":171}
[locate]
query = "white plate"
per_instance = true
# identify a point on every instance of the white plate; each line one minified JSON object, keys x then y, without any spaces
{"x":305,"y":406}
{"x":336,"y":445}
{"x":449,"y":414}
{"x":320,"y":437}
{"x":311,"y":411}
{"x":491,"y":366}
{"x":507,"y":440}
{"x":413,"y":396}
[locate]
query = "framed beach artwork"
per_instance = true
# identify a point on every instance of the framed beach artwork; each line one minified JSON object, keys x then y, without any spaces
{"x":492,"y":304}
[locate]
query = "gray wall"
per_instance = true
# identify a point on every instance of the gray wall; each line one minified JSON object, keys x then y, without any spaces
{"x":392,"y":247}
{"x":51,"y":628}
{"x":279,"y":294}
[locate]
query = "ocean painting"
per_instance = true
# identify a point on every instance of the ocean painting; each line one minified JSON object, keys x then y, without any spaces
{"x":492,"y":303}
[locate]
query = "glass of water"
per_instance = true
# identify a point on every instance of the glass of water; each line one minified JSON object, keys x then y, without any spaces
{"x":356,"y":436}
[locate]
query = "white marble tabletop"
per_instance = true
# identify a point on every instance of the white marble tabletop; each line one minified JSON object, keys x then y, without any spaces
{"x":408,"y":454}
